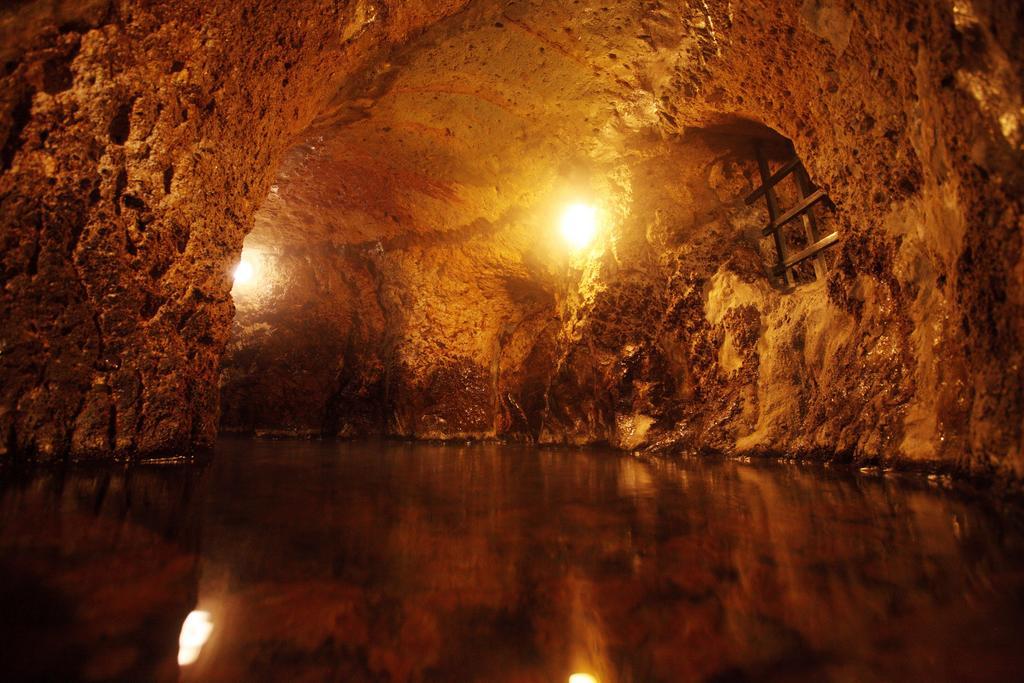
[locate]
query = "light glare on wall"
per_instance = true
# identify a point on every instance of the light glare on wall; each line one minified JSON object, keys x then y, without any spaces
{"x":244,"y":272}
{"x":579,"y":225}
{"x":582,"y":678}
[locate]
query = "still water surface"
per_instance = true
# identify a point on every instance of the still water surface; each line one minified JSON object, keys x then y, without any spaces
{"x":322,"y":561}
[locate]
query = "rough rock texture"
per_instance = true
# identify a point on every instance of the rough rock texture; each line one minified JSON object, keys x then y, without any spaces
{"x":305,"y":347}
{"x":137,"y":140}
{"x":668,"y":334}
{"x":421,"y":289}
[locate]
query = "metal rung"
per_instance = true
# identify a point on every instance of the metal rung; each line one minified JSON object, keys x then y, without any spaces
{"x":813,"y":250}
{"x":773,"y":180}
{"x":800,"y":208}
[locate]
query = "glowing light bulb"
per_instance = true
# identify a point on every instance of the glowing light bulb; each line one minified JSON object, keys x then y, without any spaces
{"x":194,"y":634}
{"x":582,"y":678}
{"x":244,"y":272}
{"x":579,"y":227}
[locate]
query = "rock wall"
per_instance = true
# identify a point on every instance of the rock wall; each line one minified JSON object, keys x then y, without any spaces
{"x":413,"y":204}
{"x":137,"y":140}
{"x":668,"y":335}
{"x":306,"y":341}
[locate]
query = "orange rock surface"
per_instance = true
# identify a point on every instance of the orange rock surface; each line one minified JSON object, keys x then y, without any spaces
{"x":398,"y":169}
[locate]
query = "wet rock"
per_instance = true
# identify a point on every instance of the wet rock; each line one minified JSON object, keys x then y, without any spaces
{"x":414,"y":196}
{"x":107,"y":255}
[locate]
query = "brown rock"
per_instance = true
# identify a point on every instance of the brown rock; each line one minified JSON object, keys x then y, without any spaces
{"x":420,"y":287}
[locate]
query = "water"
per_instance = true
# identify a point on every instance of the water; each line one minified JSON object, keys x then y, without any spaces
{"x":394,"y":562}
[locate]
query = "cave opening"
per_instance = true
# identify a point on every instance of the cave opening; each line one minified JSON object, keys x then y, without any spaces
{"x":511,"y":340}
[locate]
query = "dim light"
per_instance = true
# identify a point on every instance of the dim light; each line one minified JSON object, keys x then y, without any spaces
{"x":579,"y":225}
{"x":194,"y":634}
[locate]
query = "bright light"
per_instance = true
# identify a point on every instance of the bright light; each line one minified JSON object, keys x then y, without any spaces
{"x":582,"y":678}
{"x":579,"y":227}
{"x":194,"y":633}
{"x":244,"y":272}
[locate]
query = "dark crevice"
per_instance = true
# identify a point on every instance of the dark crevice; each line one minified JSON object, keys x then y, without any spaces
{"x":133,"y":202}
{"x":168,"y":178}
{"x":33,"y":260}
{"x":151,"y":306}
{"x":57,"y":73}
{"x":120,"y":183}
{"x":159,"y":268}
{"x":120,"y":127}
{"x":181,"y":237}
{"x":20,"y":116}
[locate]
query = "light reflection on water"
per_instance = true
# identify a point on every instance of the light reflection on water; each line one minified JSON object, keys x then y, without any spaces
{"x":396,"y":562}
{"x":194,"y":633}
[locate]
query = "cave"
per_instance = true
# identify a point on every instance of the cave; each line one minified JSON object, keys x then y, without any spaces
{"x":511,"y":340}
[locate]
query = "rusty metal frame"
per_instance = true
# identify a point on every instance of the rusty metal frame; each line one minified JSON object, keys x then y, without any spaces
{"x":804,"y":210}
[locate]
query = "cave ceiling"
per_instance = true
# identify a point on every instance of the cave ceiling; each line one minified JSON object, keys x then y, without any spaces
{"x":504,"y":106}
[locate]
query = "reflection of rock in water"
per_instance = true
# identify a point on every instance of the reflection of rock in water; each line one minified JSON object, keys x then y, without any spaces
{"x":416,"y":562}
{"x":97,"y":571}
{"x":400,"y":562}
